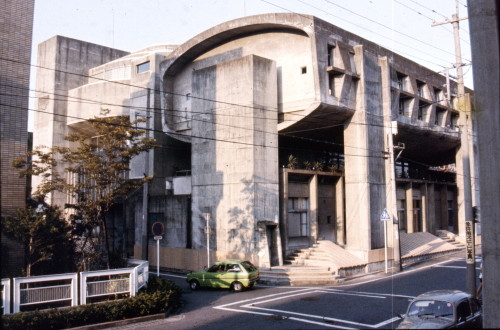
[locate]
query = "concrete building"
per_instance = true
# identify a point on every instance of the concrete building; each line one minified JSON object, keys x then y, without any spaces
{"x":16,"y":26}
{"x":275,"y":131}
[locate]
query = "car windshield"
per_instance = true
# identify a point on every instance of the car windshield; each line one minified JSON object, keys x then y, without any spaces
{"x":434,"y":308}
{"x":248,"y":266}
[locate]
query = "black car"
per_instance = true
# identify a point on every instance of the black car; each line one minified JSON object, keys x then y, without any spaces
{"x":442,"y":309}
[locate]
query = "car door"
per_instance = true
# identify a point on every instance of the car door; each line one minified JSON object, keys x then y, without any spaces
{"x":233,"y":273}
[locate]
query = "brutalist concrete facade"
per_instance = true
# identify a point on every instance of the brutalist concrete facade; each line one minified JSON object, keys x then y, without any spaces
{"x":274,"y":132}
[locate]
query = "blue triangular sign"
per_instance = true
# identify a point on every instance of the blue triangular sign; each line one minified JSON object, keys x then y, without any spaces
{"x":385,"y":216}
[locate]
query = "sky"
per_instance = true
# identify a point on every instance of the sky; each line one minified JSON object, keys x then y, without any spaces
{"x":403,"y":26}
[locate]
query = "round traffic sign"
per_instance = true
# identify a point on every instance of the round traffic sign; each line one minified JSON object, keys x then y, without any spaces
{"x":157,"y":229}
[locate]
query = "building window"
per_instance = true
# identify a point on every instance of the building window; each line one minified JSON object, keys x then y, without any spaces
{"x":352,"y":62}
{"x":143,"y":67}
{"x":331,"y":55}
{"x":402,"y":81}
{"x":454,"y":120}
{"x":438,"y":94}
{"x":404,"y":107}
{"x":303,"y":69}
{"x":188,"y":96}
{"x":298,"y":221}
{"x":440,"y":113}
{"x":450,"y":215}
{"x":420,"y":89}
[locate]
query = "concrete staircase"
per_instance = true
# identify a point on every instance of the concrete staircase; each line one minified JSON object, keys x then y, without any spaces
{"x":450,"y":238}
{"x":325,"y":263}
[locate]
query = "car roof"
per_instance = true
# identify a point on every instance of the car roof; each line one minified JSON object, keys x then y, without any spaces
{"x":229,"y":261}
{"x":444,"y":295}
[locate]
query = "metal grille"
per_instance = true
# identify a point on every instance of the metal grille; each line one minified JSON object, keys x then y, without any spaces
{"x":101,"y":288}
{"x":45,"y":294}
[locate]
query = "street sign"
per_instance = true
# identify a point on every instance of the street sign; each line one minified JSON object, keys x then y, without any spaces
{"x":158,"y":238}
{"x":469,"y":251}
{"x":385,"y":216}
{"x":157,"y":229}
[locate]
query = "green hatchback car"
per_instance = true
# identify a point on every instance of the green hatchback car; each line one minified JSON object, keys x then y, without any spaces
{"x":234,"y":274}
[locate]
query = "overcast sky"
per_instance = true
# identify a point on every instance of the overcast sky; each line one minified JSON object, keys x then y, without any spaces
{"x":403,"y":26}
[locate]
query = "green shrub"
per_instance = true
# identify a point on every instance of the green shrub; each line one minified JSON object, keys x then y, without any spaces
{"x":159,"y":296}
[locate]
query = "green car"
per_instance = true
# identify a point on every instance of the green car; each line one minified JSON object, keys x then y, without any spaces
{"x":234,"y":274}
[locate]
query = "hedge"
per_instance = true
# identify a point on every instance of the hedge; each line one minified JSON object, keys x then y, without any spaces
{"x":159,"y":296}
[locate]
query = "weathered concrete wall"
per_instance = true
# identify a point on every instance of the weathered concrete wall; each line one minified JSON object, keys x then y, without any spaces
{"x":63,"y":64}
{"x":234,"y":152}
{"x":290,"y":51}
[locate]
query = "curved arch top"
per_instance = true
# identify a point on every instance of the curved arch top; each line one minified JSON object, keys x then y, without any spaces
{"x":230,"y":30}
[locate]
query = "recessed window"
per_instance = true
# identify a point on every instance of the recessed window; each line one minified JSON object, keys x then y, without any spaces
{"x":420,"y":88}
{"x":331,"y":55}
{"x":143,"y":67}
{"x":188,"y":96}
{"x":303,"y":69}
{"x":402,"y":81}
{"x":352,"y":62}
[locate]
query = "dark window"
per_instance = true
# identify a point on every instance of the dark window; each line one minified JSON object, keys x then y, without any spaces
{"x":463,"y":311}
{"x":304,"y":69}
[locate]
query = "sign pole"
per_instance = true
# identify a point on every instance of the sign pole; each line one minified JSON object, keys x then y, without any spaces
{"x":158,"y":258}
{"x":385,"y":248}
{"x":384,"y":217}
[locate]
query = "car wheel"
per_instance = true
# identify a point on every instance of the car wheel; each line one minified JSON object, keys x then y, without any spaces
{"x":237,"y":287}
{"x":194,"y":285}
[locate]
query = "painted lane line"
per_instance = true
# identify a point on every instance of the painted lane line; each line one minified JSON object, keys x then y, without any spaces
{"x":353,"y":294}
{"x":242,"y":311}
{"x":325,"y":318}
{"x":280,"y":298}
{"x":263,"y":297}
{"x":171,"y":275}
{"x":374,"y":293}
{"x":381,"y":324}
{"x":457,"y":267}
{"x":318,"y":323}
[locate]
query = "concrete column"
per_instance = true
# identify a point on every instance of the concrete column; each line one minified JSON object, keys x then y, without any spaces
{"x":431,"y":213}
{"x":235,"y":152}
{"x":365,"y":188}
{"x":409,"y":209}
{"x":284,"y":209}
{"x":443,"y":191}
{"x":313,"y":209}
{"x":424,"y":208}
{"x":484,"y":23}
{"x":340,"y":211}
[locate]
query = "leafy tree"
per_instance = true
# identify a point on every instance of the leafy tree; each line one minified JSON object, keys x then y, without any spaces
{"x":45,"y":236}
{"x":99,"y":164}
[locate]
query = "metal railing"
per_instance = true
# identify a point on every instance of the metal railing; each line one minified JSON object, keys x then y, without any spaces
{"x":26,"y":295}
{"x":6,"y":295}
{"x":46,"y":289}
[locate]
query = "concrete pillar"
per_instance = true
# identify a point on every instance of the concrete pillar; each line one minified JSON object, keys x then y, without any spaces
{"x":431,"y":214}
{"x":484,"y":24}
{"x":340,"y":211}
{"x":443,"y":191}
{"x":409,"y":209}
{"x":283,"y":225}
{"x":365,"y":188}
{"x":235,"y":152}
{"x":313,"y":209}
{"x":424,"y":208}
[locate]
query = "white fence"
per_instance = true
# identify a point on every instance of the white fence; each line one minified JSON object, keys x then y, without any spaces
{"x":39,"y":290}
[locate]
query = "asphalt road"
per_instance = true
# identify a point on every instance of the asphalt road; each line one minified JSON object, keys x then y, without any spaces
{"x":370,"y":302}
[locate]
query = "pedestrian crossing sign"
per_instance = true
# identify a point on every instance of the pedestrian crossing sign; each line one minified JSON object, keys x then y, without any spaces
{"x":385,"y":216}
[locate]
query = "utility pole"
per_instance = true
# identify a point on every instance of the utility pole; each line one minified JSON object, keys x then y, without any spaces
{"x":145,"y":191}
{"x":464,"y":145}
